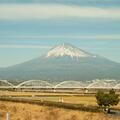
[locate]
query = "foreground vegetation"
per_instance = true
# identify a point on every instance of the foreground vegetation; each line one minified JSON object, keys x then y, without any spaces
{"x":106,"y":100}
{"x":55,"y":106}
{"x":55,"y":97}
{"x":25,"y":111}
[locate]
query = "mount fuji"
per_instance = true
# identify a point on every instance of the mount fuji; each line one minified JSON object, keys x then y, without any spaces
{"x":64,"y":62}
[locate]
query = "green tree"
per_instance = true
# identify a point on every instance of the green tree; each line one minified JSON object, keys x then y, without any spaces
{"x":114,"y":98}
{"x":106,"y":100}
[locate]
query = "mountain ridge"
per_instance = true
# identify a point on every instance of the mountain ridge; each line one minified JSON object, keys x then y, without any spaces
{"x":64,"y":67}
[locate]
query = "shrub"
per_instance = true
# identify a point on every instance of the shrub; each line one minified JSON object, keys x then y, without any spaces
{"x":105,"y":100}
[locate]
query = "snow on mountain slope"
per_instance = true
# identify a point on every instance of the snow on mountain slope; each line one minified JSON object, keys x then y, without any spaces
{"x":67,"y":50}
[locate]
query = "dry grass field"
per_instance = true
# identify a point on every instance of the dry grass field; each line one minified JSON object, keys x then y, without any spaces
{"x":24,"y":111}
{"x":55,"y":97}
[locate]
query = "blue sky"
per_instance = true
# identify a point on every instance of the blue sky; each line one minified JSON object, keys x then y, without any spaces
{"x":29,"y":28}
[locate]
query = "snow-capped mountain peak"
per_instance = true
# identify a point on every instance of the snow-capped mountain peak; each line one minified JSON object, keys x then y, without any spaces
{"x":67,"y":50}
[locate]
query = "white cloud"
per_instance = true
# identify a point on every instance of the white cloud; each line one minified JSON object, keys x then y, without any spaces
{"x":52,"y":11}
{"x":95,"y":37}
{"x":24,"y":46}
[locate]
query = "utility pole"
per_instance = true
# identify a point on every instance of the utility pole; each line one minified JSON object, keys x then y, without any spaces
{"x":7,"y":116}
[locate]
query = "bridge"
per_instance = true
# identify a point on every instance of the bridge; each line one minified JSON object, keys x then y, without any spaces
{"x":37,"y":84}
{"x":6,"y":84}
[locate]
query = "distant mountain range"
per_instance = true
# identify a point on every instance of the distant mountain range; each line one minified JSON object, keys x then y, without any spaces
{"x":63,"y":62}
